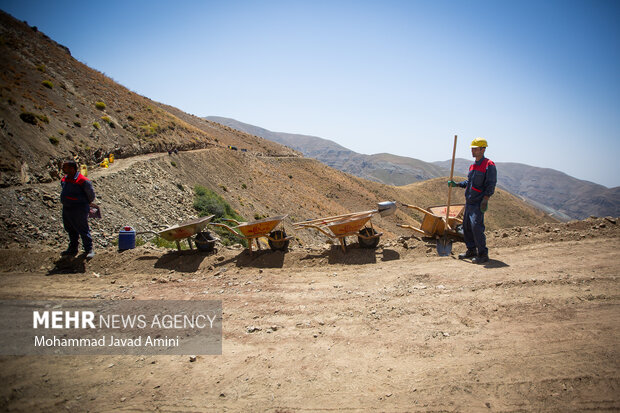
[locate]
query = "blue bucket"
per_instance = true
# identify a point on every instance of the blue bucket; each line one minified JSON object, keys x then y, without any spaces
{"x":126,"y":239}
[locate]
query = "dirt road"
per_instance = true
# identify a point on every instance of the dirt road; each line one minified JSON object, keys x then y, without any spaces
{"x":537,"y":329}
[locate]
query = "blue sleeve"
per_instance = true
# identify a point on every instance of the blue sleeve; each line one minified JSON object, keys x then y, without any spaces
{"x":490,"y":180}
{"x":87,"y":186}
{"x":463,"y":184}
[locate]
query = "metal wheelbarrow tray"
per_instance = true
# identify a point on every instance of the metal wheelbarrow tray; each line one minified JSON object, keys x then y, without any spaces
{"x":342,"y":226}
{"x":183,"y":230}
{"x":251,"y":231}
{"x":433,"y":224}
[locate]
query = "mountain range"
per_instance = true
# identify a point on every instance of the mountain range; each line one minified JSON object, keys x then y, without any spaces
{"x":555,"y":192}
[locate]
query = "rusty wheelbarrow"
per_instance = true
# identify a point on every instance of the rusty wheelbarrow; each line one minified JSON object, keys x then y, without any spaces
{"x":433,"y":224}
{"x":342,"y":226}
{"x":185,"y":229}
{"x":252,"y":231}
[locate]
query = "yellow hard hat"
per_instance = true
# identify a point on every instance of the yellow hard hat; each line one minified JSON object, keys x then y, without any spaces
{"x":479,"y":143}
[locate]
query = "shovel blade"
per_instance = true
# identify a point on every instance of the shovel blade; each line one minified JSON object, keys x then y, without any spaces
{"x":444,"y":246}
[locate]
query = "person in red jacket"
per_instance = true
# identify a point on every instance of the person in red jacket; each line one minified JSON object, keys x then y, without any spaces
{"x":76,"y":196}
{"x":479,"y":187}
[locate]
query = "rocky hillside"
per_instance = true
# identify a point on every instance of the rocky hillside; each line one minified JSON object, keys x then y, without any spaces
{"x":552,"y":191}
{"x":54,"y":107}
{"x":152,"y":191}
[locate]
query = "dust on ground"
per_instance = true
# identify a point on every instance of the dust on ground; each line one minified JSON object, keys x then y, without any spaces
{"x":394,"y":329}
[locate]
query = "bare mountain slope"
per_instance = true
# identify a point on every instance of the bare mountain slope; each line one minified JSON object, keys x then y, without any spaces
{"x":53,"y":107}
{"x":553,"y":191}
{"x":385,"y":168}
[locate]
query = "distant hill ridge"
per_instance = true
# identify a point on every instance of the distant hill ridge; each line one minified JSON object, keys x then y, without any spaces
{"x":384,"y":167}
{"x":554,"y":192}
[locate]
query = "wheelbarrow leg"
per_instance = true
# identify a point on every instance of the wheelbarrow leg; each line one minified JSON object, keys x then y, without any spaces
{"x":189,"y":241}
{"x":178,"y":244}
{"x":343,"y":244}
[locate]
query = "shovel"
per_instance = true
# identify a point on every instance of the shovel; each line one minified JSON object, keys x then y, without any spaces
{"x":444,"y":244}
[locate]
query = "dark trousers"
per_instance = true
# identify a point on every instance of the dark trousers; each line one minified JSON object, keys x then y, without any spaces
{"x":75,"y":221}
{"x":473,"y":229}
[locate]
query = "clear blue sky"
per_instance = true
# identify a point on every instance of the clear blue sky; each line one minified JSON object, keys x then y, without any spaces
{"x":539,"y":79}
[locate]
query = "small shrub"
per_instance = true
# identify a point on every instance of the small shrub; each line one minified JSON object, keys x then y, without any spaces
{"x":150,"y":129}
{"x":78,"y":124}
{"x":106,"y":119}
{"x":43,"y":118}
{"x":258,"y":216}
{"x":162,"y":243}
{"x":96,"y":125}
{"x":244,"y":186}
{"x":61,"y":132}
{"x":173,"y":163}
{"x":290,"y":177}
{"x":207,"y":202}
{"x":224,"y":188}
{"x":41,"y":68}
{"x":48,"y":84}
{"x":100,"y":105}
{"x":53,"y":140}
{"x":181,"y":187}
{"x":28,"y":117}
{"x":129,"y":117}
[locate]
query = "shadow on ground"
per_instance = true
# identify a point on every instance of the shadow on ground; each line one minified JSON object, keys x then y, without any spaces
{"x":69,"y":265}
{"x":354,"y":255}
{"x":183,"y":261}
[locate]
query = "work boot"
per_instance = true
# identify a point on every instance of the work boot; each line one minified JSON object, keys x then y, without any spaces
{"x":480,"y":259}
{"x":468,"y":254}
{"x":69,"y":252}
{"x":90,"y":254}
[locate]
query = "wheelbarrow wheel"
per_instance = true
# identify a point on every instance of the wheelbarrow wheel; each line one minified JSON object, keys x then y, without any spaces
{"x":364,"y":238}
{"x":204,"y":241}
{"x":280,"y":243}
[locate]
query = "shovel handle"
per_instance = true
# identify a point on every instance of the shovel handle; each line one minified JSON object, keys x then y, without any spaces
{"x":450,"y":187}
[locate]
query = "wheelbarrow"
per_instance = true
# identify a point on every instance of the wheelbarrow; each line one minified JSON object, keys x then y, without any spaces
{"x":342,"y":226}
{"x":434,"y":224}
{"x":185,"y":229}
{"x":252,"y":231}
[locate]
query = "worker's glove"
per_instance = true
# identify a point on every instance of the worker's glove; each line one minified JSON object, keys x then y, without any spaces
{"x":484,"y":205}
{"x":452,"y":184}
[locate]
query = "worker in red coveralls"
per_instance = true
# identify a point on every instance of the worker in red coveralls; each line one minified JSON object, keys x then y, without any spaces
{"x":479,"y":187}
{"x":76,"y":196}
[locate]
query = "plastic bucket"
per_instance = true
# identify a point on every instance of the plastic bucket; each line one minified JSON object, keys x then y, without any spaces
{"x":126,"y":239}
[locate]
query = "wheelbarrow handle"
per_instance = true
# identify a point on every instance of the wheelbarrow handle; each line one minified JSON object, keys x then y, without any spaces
{"x":217,"y":224}
{"x":232,"y":220}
